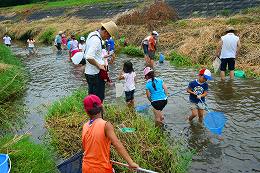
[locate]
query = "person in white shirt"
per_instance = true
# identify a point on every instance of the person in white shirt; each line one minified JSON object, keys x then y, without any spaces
{"x":82,"y":44}
{"x":227,"y":51}
{"x":128,"y":75}
{"x":7,"y":40}
{"x":31,"y":42}
{"x":94,"y":60}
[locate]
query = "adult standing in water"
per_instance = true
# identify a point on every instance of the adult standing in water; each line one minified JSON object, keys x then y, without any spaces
{"x":94,"y":61}
{"x":58,"y":41}
{"x":227,"y":51}
{"x":152,"y":48}
{"x":7,"y":40}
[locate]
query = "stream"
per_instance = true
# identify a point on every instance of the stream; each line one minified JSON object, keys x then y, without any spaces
{"x":52,"y":77}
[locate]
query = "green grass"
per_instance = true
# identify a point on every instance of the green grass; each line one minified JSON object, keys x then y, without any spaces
{"x":48,"y":36}
{"x":57,"y":4}
{"x":13,"y":79}
{"x":149,"y":146}
{"x":133,"y":51}
{"x":27,"y":156}
{"x":179,"y":60}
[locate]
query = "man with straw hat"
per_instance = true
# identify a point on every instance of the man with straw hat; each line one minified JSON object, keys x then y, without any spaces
{"x":227,"y":52}
{"x":93,"y":56}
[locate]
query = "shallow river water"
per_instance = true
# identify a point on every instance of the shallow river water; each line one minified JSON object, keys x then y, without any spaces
{"x":54,"y":77}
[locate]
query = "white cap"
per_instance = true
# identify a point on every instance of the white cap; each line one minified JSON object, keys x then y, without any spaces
{"x":82,"y":38}
{"x":155,"y":33}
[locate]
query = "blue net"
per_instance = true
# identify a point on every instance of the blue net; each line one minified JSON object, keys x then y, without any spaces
{"x":142,"y":108}
{"x":215,"y":122}
{"x":72,"y":165}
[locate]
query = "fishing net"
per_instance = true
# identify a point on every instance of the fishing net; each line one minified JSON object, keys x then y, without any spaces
{"x":215,"y":122}
{"x":72,"y":165}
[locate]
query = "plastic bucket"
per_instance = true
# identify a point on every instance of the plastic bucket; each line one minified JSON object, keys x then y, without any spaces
{"x":240,"y":73}
{"x":4,"y":165}
{"x":161,"y":58}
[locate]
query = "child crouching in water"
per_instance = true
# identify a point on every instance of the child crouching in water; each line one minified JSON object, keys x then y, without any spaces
{"x":198,"y":90}
{"x":156,"y":92}
{"x":128,"y":75}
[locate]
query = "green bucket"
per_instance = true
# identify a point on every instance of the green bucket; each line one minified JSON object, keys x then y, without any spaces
{"x":240,"y":74}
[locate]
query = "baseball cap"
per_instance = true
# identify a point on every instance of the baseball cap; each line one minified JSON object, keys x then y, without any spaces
{"x":82,"y":38}
{"x":147,"y":70}
{"x":205,"y":73}
{"x":91,"y":100}
{"x":155,"y":33}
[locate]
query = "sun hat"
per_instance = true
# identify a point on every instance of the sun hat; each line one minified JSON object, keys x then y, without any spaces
{"x":82,"y":38}
{"x":111,"y":28}
{"x":147,"y":70}
{"x":205,"y":73}
{"x":155,"y":33}
{"x":230,"y":28}
{"x":90,"y":100}
{"x":60,"y":32}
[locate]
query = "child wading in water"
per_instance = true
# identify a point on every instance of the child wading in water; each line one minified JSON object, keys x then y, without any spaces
{"x":198,"y":90}
{"x":156,"y":92}
{"x":128,"y":75}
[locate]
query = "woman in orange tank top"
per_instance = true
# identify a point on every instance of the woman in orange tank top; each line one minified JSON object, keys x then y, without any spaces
{"x":97,"y":136}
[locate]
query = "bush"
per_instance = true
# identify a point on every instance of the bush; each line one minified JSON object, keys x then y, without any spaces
{"x":48,"y":36}
{"x":133,"y":51}
{"x":180,"y":60}
{"x":27,"y":156}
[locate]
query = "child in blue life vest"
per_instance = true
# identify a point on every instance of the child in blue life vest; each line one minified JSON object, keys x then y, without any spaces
{"x":156,"y":92}
{"x":198,"y":90}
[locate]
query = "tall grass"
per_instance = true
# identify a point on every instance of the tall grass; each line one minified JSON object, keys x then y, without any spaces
{"x":133,"y":51}
{"x":13,"y":78}
{"x":180,"y":60}
{"x":149,"y":146}
{"x":48,"y":36}
{"x":27,"y":156}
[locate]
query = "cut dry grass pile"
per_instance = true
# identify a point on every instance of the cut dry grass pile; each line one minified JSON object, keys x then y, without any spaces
{"x":4,"y":67}
{"x":150,"y":147}
{"x":151,"y":15}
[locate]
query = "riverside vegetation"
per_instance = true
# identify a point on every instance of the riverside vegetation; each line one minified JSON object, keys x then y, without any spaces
{"x":194,"y":40}
{"x":149,"y":146}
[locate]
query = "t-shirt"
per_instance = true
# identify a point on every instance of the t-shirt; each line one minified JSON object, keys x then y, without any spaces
{"x":151,"y":45}
{"x":229,"y":46}
{"x":30,"y":43}
{"x":7,"y":40}
{"x":58,"y":39}
{"x":74,"y":45}
{"x":198,"y":88}
{"x":159,"y":93}
{"x":129,"y":84}
{"x":93,"y":51}
{"x":111,"y":44}
{"x":82,"y":47}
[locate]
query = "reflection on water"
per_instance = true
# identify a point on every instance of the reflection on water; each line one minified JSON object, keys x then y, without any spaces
{"x":53,"y":77}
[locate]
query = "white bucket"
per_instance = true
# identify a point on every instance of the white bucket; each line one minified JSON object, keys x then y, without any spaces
{"x":119,"y":89}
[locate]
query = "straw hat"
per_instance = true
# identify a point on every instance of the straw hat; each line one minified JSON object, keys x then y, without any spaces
{"x":111,"y":28}
{"x":60,"y":32}
{"x":230,"y":28}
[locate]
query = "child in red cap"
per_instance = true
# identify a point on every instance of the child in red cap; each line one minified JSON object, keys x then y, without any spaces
{"x":97,"y":136}
{"x":198,"y":90}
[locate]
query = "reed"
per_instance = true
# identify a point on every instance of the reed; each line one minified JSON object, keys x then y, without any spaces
{"x":149,"y":146}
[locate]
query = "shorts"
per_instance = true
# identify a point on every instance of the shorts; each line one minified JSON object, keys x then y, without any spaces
{"x":30,"y":49}
{"x":145,"y":47}
{"x":129,"y":95}
{"x":159,"y":104}
{"x":227,"y":61}
{"x":197,"y":106}
{"x":151,"y":55}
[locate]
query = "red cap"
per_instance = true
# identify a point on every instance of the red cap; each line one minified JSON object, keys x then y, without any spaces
{"x":90,"y":100}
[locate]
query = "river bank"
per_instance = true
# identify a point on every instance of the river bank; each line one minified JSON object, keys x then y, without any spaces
{"x":149,"y":146}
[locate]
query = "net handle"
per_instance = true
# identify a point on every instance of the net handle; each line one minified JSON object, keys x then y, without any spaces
{"x":138,"y":169}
